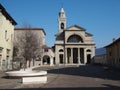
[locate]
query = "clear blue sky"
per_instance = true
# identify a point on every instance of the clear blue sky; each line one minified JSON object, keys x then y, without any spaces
{"x":99,"y":17}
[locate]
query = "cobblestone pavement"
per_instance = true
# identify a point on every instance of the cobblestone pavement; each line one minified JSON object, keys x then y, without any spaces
{"x":87,"y":77}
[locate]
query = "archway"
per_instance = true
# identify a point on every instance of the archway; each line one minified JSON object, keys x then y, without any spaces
{"x":88,"y":58}
{"x":46,"y":60}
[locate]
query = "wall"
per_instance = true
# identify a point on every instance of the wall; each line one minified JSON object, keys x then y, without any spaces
{"x":113,"y":54}
{"x":6,"y":41}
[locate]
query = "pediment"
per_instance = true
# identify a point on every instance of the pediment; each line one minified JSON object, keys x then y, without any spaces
{"x":75,"y":27}
{"x":88,"y":34}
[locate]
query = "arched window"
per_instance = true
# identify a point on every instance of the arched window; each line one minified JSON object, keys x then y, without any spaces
{"x":62,"y":25}
{"x":75,"y":39}
{"x":61,"y":50}
{"x":88,"y":50}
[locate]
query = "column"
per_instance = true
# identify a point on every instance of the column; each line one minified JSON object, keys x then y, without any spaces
{"x":78,"y":55}
{"x":66,"y":56}
{"x":85,"y":56}
{"x":57,"y":59}
{"x":71,"y":58}
{"x":51,"y":61}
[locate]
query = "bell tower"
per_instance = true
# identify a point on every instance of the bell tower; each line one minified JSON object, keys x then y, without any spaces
{"x":61,"y":20}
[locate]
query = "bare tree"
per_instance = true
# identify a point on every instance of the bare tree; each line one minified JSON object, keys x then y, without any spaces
{"x":29,"y":44}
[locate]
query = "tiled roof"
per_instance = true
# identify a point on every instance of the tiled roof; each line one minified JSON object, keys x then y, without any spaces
{"x":77,"y":27}
{"x":31,"y":29}
{"x":46,"y":47}
{"x":7,"y":15}
{"x":117,"y":40}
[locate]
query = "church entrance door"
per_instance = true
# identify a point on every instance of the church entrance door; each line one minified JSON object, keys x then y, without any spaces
{"x":88,"y":58}
{"x":75,"y":55}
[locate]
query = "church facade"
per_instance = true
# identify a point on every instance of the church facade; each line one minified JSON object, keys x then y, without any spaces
{"x":73,"y":45}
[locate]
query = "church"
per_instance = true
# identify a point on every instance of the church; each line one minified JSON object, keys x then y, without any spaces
{"x":73,"y":45}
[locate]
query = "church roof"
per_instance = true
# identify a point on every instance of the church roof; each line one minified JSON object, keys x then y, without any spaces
{"x":88,"y":34}
{"x":79,"y":27}
{"x":7,"y":15}
{"x":46,"y":47}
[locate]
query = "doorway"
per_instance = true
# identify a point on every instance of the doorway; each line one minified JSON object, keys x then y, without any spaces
{"x":46,"y":59}
{"x":61,"y":58}
{"x":88,"y":58}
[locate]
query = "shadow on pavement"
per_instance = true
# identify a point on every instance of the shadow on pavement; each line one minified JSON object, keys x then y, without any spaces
{"x":88,"y":71}
{"x":107,"y":87}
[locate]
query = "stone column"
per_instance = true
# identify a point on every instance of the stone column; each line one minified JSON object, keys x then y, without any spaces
{"x":57,"y":59}
{"x":71,"y":58}
{"x":93,"y":52}
{"x":78,"y":55}
{"x":66,"y":56}
{"x":51,"y":61}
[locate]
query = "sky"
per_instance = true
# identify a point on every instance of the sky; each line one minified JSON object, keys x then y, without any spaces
{"x":99,"y":17}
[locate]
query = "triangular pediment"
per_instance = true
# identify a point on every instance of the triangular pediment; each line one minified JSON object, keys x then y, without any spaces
{"x":88,"y":34}
{"x":75,"y":27}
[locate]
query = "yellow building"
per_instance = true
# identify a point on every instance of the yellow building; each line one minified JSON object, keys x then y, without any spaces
{"x":113,"y":53}
{"x":7,"y":24}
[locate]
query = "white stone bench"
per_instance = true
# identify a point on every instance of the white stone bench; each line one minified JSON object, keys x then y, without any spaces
{"x":39,"y":77}
{"x":29,"y":75}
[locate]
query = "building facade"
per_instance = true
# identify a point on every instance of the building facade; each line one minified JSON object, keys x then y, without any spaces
{"x":113,"y":53}
{"x":73,"y":45}
{"x":7,"y":24}
{"x":39,"y":33}
{"x":100,"y":56}
{"x":100,"y":59}
{"x":48,"y":56}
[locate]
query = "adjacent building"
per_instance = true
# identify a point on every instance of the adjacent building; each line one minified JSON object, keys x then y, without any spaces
{"x":100,"y":56}
{"x":46,"y":54}
{"x":48,"y":57}
{"x":113,"y":53}
{"x":73,"y":44}
{"x":7,"y":24}
{"x":40,"y":41}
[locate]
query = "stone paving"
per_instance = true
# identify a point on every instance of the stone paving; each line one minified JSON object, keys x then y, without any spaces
{"x":87,"y":77}
{"x":6,"y":83}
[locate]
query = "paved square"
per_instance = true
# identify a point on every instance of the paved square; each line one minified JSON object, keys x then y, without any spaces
{"x":72,"y":77}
